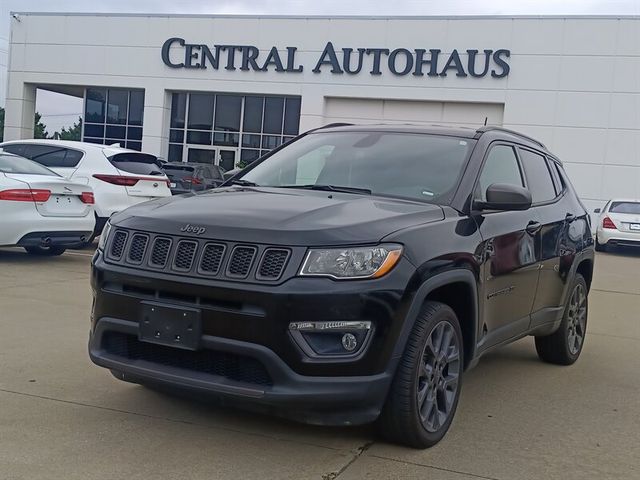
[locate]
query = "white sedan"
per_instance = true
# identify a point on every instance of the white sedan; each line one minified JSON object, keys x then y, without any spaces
{"x":40,"y":210}
{"x":619,"y":224}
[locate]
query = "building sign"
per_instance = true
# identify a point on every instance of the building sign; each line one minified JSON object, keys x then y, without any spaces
{"x":350,"y":61}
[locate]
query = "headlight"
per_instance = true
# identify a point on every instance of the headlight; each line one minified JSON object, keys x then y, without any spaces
{"x":102,"y":241}
{"x":351,"y":262}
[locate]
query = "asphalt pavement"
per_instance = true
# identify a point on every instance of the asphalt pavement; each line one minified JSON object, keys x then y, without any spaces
{"x":61,"y":417}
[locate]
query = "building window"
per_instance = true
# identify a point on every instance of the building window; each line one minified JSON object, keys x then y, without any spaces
{"x":240,"y":126}
{"x":113,"y":115}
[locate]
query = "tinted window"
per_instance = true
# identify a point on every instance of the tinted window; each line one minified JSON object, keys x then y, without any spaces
{"x":228,"y":113}
{"x":201,"y":111}
{"x":178,"y":108}
{"x":538,"y":177}
{"x":216,"y":173}
{"x":625,"y":207}
{"x":117,"y":107}
{"x":53,"y":156}
{"x":417,"y":166}
{"x":15,"y":148}
{"x":253,"y":114}
{"x":11,"y":164}
{"x":557,"y":182}
{"x":94,"y":106}
{"x":136,"y":107}
{"x":501,"y":166}
{"x":291,"y":116}
{"x":139,"y":163}
{"x":273,"y":107}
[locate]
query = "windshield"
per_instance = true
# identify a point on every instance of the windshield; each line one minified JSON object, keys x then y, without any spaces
{"x":625,"y":207}
{"x":416,"y":166}
{"x":15,"y":164}
{"x":138,"y":163}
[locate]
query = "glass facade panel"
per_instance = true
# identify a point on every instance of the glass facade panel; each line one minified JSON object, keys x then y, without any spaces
{"x":273,"y":109}
{"x":113,"y":116}
{"x":230,"y":122}
{"x":228,"y":110}
{"x":201,"y":111}
{"x":136,"y":107}
{"x":94,"y":105}
{"x":117,"y":105}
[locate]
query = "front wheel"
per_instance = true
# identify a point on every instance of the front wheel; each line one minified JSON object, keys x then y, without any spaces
{"x":424,"y":393}
{"x":563,"y":347}
{"x":45,"y":251}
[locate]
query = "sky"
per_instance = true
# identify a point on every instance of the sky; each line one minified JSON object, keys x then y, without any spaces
{"x":58,"y":110}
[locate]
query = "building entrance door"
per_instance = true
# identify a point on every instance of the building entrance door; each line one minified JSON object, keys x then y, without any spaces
{"x":225,"y":157}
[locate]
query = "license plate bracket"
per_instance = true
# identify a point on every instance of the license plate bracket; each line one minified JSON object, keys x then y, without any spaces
{"x":179,"y":327}
{"x":634,"y":226}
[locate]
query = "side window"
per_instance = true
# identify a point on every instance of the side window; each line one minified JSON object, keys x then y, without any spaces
{"x":557,"y":181}
{"x":501,"y":166}
{"x":205,"y":172}
{"x":215,"y":173}
{"x":53,"y":156}
{"x":538,"y":176}
{"x":15,"y":148}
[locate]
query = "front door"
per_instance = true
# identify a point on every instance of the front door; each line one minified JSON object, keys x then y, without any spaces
{"x":224,"y":157}
{"x":510,"y":264}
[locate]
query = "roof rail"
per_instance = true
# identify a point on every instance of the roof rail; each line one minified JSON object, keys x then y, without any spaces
{"x":488,"y":128}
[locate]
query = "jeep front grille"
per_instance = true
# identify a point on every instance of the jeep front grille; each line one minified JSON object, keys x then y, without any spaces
{"x":197,"y":257}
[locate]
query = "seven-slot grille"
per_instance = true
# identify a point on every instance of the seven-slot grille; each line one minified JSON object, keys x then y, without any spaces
{"x":190,"y":256}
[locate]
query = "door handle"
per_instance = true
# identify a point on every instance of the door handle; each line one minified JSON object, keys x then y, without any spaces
{"x":569,"y":217}
{"x":533,"y":227}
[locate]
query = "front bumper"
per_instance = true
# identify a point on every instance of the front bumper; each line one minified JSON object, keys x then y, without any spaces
{"x":249,"y":321}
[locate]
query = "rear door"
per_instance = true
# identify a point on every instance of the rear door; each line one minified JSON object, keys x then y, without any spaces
{"x":151,"y":180}
{"x":510,"y":266}
{"x":555,"y":214}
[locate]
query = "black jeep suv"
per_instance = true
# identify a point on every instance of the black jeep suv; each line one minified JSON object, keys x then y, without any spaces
{"x":351,"y":275}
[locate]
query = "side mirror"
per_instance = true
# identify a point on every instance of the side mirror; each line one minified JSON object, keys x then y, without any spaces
{"x":502,"y":196}
{"x":597,"y":210}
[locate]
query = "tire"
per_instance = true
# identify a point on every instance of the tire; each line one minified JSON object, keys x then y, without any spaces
{"x":563,"y":347}
{"x":422,"y":372}
{"x":600,"y":247}
{"x":45,"y":251}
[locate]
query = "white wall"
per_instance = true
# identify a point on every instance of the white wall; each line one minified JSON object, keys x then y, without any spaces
{"x":574,"y":82}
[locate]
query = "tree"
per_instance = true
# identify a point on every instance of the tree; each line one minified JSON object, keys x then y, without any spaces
{"x":39,"y":128}
{"x":72,"y":133}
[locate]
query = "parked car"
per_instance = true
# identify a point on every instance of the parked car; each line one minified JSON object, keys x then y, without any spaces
{"x":351,"y":276}
{"x":230,"y":173}
{"x":619,"y":224}
{"x":40,"y":210}
{"x":119,"y":177}
{"x":192,"y":177}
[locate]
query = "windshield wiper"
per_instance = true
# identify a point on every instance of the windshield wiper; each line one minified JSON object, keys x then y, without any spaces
{"x":244,"y":183}
{"x":330,"y":188}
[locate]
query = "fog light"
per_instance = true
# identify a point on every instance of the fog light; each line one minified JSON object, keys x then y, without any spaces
{"x":333,"y":338}
{"x":349,"y":342}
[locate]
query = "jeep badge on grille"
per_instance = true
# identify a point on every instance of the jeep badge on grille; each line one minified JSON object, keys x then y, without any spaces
{"x":198,"y":230}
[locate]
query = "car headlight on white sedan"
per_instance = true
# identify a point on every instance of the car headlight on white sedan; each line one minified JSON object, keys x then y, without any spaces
{"x":102,"y":241}
{"x":351,"y":262}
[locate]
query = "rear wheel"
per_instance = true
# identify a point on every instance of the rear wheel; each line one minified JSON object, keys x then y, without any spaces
{"x":424,"y":393}
{"x":563,"y":347}
{"x":45,"y":251}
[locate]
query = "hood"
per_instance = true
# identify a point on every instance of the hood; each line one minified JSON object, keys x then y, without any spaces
{"x":278,"y":216}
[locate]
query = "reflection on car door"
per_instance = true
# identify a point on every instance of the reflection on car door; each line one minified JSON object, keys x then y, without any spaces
{"x":510,"y":265}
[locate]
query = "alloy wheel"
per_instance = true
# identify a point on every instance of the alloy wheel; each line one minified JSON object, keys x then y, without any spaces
{"x":576,"y":319}
{"x":438,"y":376}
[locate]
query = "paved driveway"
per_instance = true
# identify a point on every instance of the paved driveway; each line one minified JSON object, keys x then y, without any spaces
{"x":63,"y":418}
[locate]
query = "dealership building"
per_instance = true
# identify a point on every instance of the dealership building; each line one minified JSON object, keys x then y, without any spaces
{"x":226,"y":89}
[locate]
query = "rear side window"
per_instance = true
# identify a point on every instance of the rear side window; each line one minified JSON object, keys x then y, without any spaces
{"x":15,"y":148}
{"x":557,"y":178}
{"x":53,"y":156}
{"x":216,"y":173}
{"x":538,"y":176}
{"x":625,"y":207}
{"x":138,"y":163}
{"x":501,"y":166}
